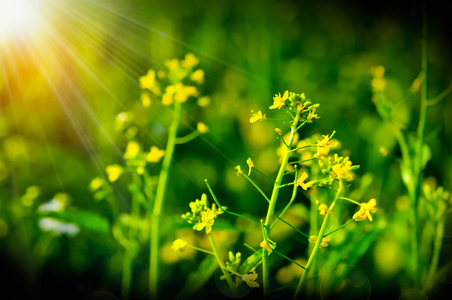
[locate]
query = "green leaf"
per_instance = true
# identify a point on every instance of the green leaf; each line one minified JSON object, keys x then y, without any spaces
{"x":84,"y":219}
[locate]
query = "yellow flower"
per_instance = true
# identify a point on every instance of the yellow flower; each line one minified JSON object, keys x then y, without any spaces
{"x":197,"y":76}
{"x":323,"y":146}
{"x":96,"y":183}
{"x":250,"y":164}
{"x":204,"y":101}
{"x":312,"y":115}
{"x":172,"y":64}
{"x":278,"y":131}
{"x":323,"y":244}
{"x":113,"y":172}
{"x":279,"y":101}
{"x":145,"y":100}
{"x":343,"y":171}
{"x":148,"y":81}
{"x":190,"y":61}
{"x":132,"y":150}
{"x":239,"y":170}
{"x":202,"y":128}
{"x":250,"y":279}
{"x":208,"y":216}
{"x":301,"y":179}
{"x":167,"y":99}
{"x":267,"y":246}
{"x":323,"y":209}
{"x":183,"y":92}
{"x":257,"y":117}
{"x":179,"y":245}
{"x":155,"y":155}
{"x":365,"y":210}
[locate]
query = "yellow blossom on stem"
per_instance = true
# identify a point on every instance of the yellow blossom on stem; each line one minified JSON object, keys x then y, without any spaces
{"x":113,"y":172}
{"x":96,"y":183}
{"x":365,"y":210}
{"x":257,"y":117}
{"x":179,"y":245}
{"x":301,"y":179}
{"x":278,"y":131}
{"x":324,"y":146}
{"x":267,"y":246}
{"x":202,"y":128}
{"x":279,"y":101}
{"x":155,"y":155}
{"x":148,"y":81}
{"x":190,"y":61}
{"x":132,"y":150}
{"x":312,"y":115}
{"x":323,"y":209}
{"x":323,"y":244}
{"x":250,"y":164}
{"x":250,"y":280}
{"x":197,"y":76}
{"x":239,"y":170}
{"x":343,"y":170}
{"x":172,"y":64}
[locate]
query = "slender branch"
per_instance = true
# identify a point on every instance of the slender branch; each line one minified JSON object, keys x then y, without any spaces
{"x":340,"y":227}
{"x":320,"y":236}
{"x":226,"y":211}
{"x":256,"y":186}
{"x":159,"y":199}
{"x":188,"y":137}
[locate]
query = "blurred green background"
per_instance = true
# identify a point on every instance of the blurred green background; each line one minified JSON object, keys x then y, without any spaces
{"x":62,"y":86}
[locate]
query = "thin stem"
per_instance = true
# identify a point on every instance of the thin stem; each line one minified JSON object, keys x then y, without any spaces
{"x":417,"y":165}
{"x":293,"y":227}
{"x":273,"y":200}
{"x":289,"y":259}
{"x":188,"y":137}
{"x":256,"y":186}
{"x":159,"y":198}
{"x":320,"y":236}
{"x":303,"y":161}
{"x":340,"y":227}
{"x":200,"y":249}
{"x":294,"y":194}
{"x":221,"y":207}
{"x":126,"y":274}
{"x":220,"y":263}
{"x":350,"y":200}
{"x":435,"y":258}
{"x":299,"y":148}
{"x":257,"y":170}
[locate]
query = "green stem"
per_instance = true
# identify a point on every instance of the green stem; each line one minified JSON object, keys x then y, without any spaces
{"x":159,"y":198}
{"x":417,"y":165}
{"x":340,"y":227}
{"x":435,"y":258}
{"x":126,"y":274}
{"x":320,"y":236}
{"x":294,"y":194}
{"x":221,"y":264}
{"x":350,"y":200}
{"x":188,"y":137}
{"x":273,"y":200}
{"x":256,"y":186}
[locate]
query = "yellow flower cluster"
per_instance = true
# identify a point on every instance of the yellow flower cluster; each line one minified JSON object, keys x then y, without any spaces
{"x":175,"y":90}
{"x":365,"y":210}
{"x":324,"y":145}
{"x":202,"y":215}
{"x":301,"y":179}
